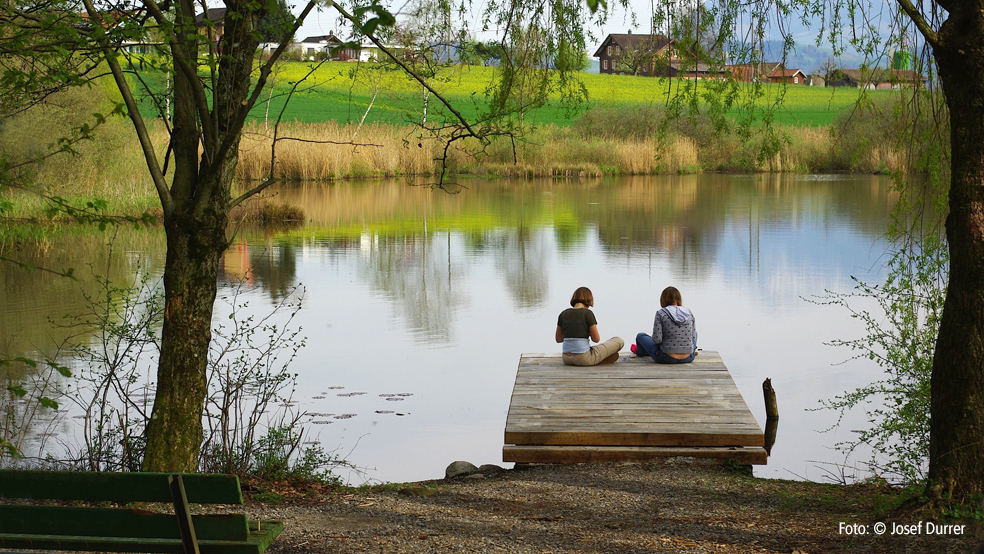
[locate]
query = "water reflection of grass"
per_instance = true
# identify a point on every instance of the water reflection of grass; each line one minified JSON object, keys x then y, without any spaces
{"x":633,"y":209}
{"x":32,"y":300}
{"x":669,"y":213}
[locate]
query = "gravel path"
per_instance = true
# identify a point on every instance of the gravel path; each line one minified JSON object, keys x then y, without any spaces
{"x":617,"y":508}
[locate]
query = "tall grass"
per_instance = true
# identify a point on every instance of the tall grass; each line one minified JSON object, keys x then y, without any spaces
{"x":606,"y":140}
{"x":321,"y":151}
{"x":324,"y":151}
{"x":110,"y":166}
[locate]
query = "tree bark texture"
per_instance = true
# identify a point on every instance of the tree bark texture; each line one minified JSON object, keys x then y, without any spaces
{"x":174,"y":433}
{"x":956,"y":465}
{"x":205,"y":142}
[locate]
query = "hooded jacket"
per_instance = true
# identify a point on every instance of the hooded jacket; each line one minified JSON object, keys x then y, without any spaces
{"x":675,"y":330}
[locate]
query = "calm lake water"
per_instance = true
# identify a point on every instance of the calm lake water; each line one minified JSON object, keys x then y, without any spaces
{"x":423,"y":301}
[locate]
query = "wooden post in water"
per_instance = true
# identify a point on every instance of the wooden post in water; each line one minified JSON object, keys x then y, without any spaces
{"x":771,"y":415}
{"x":771,"y":409}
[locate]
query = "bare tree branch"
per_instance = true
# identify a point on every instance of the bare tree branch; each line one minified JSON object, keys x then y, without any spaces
{"x":917,"y":19}
{"x":146,"y":144}
{"x":411,"y":72}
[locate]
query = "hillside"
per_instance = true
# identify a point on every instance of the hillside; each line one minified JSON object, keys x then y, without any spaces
{"x":347,"y":92}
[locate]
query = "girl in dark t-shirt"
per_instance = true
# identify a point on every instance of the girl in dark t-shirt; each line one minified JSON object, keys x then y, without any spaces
{"x":576,"y":326}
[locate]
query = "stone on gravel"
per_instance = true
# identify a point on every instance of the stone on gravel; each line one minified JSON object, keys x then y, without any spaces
{"x":459,"y":468}
{"x":489,"y":469}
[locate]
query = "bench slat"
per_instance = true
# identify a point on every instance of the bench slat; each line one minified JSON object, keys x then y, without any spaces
{"x":258,"y":542}
{"x":118,"y":487}
{"x":116,"y":522}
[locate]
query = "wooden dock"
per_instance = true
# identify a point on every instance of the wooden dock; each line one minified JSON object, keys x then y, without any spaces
{"x":633,"y":410}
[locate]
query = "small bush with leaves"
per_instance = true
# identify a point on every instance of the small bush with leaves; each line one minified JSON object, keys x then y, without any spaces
{"x":27,"y":403}
{"x":251,"y":427}
{"x":279,"y":457}
{"x":901,"y":334}
{"x":114,"y":347}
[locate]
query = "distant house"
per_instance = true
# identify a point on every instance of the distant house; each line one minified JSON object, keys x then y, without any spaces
{"x":635,"y":54}
{"x":320,"y":47}
{"x":753,"y":72}
{"x":772,"y":72}
{"x":268,"y":47}
{"x":876,"y":78}
{"x":906,"y":78}
{"x":441,"y":53}
{"x":369,"y":52}
{"x":214,"y":18}
{"x":112,"y":18}
{"x":788,"y":77}
{"x":691,"y":69}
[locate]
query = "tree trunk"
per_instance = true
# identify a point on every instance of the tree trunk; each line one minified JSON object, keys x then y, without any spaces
{"x":956,"y":445}
{"x":206,"y":152}
{"x":174,"y":434}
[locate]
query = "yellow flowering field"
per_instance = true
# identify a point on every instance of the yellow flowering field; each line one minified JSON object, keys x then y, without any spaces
{"x":348,"y":92}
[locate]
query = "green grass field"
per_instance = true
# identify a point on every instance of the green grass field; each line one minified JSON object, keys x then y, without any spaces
{"x":342,"y":92}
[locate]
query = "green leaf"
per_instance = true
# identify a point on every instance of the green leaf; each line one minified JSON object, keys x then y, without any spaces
{"x":60,"y":368}
{"x":17,"y":390}
{"x":48,"y":403}
{"x":10,"y":448}
{"x":594,"y":4}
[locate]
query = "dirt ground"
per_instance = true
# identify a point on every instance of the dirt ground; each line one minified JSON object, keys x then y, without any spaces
{"x":677,"y":506}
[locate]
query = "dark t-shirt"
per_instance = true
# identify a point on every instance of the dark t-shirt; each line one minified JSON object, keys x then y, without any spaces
{"x":575,"y":322}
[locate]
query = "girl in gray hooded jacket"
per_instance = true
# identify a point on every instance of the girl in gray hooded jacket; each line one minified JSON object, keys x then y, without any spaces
{"x":674,"y":338}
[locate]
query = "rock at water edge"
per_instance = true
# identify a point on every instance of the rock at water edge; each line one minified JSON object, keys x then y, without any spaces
{"x":459,"y":468}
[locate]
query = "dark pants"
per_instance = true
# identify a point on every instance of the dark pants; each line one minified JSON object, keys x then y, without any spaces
{"x":646,"y":347}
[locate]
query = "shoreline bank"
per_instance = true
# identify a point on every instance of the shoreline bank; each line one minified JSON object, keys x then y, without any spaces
{"x":675,"y":506}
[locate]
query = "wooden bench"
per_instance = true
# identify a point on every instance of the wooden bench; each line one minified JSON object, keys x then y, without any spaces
{"x":47,"y":527}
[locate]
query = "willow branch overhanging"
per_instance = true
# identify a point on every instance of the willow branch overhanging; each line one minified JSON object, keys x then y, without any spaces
{"x":411,"y":72}
{"x":920,"y":22}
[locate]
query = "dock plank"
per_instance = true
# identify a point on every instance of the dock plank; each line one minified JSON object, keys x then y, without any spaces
{"x":631,"y":410}
{"x":595,"y":454}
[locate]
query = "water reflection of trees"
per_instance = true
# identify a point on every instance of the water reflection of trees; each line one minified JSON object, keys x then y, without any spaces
{"x":681,"y":220}
{"x":420,"y":277}
{"x":415,"y":246}
{"x":677,"y":218}
{"x":522,"y":258}
{"x":269,"y":265}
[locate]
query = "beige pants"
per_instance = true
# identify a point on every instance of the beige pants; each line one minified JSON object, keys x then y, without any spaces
{"x":597,"y":353}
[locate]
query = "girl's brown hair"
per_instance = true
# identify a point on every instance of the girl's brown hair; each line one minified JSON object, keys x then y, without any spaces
{"x":670,"y":296}
{"x":582,"y":295}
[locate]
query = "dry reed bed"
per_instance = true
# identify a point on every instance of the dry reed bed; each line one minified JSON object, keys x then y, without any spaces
{"x":112,"y":167}
{"x":325,"y":151}
{"x":322,"y":151}
{"x":599,"y":142}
